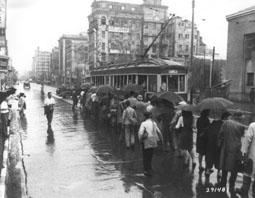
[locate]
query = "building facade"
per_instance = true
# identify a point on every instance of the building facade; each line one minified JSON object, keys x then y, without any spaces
{"x":54,"y":65}
{"x":177,"y":37}
{"x":73,"y":57}
{"x":4,"y":56}
{"x":240,"y":66}
{"x":41,"y":65}
{"x":120,"y":32}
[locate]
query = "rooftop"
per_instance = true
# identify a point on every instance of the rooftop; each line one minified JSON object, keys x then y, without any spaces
{"x":247,"y":11}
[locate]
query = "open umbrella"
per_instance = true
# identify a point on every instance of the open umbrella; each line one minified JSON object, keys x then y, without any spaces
{"x":187,"y":107}
{"x":92,"y":89}
{"x":215,"y":103}
{"x":167,"y":95}
{"x":85,"y":85}
{"x":132,"y":87}
{"x":105,"y":89}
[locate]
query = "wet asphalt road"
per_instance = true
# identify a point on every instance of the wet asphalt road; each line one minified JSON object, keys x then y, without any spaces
{"x":85,"y":159}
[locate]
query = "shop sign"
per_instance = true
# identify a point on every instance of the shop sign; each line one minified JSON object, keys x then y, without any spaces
{"x":118,"y":29}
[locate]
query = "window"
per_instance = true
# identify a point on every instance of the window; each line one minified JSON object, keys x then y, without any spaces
{"x":173,"y":83}
{"x":250,"y":79}
{"x":186,"y":36}
{"x":181,"y":83}
{"x":180,"y":47}
{"x":180,"y":36}
{"x":110,"y":6}
{"x":103,"y":20}
{"x":187,"y":48}
{"x":103,"y":34}
{"x":153,"y":83}
{"x":103,"y":57}
{"x":138,"y":36}
{"x":146,"y":25}
{"x":103,"y":46}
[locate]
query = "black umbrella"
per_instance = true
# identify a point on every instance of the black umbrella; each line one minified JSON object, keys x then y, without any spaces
{"x":132,"y":87}
{"x":167,"y":95}
{"x":105,"y":89}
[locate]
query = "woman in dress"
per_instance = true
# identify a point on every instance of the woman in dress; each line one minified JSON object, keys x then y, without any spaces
{"x":186,"y":124}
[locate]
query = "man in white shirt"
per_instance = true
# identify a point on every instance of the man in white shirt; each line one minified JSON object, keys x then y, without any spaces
{"x":4,"y":117}
{"x":49,"y":108}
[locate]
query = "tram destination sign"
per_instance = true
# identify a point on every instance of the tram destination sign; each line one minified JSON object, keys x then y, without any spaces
{"x":172,"y":71}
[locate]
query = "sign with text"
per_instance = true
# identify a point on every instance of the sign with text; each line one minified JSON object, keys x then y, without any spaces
{"x":2,"y":13}
{"x":118,"y":29}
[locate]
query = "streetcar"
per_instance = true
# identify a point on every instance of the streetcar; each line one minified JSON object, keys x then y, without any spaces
{"x":154,"y":75}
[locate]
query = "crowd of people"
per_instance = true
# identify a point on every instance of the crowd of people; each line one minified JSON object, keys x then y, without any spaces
{"x":219,"y":143}
{"x":12,"y":107}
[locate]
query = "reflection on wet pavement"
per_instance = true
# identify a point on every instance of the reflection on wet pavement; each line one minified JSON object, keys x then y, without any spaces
{"x":80,"y":157}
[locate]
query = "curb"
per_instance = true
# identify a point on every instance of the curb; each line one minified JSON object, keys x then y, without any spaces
{"x":4,"y":173}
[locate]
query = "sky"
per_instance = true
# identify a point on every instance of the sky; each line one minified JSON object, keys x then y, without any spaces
{"x":33,"y":23}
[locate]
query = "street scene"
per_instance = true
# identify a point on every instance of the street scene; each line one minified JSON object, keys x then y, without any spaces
{"x":120,"y":98}
{"x":82,"y":157}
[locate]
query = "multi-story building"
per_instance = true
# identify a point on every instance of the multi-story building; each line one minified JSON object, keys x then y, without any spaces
{"x":54,"y":65}
{"x":4,"y":57}
{"x":177,"y":39}
{"x":122,"y":31}
{"x":73,"y":56}
{"x":241,"y":52}
{"x":41,"y":65}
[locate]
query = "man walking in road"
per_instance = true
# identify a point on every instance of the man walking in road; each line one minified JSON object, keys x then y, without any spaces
{"x":129,"y":119}
{"x":49,"y":108}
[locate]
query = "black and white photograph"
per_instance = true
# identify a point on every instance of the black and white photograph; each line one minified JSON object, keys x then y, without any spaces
{"x":127,"y":99}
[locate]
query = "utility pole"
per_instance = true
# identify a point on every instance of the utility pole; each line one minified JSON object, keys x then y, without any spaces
{"x":192,"y":35}
{"x":191,"y":47}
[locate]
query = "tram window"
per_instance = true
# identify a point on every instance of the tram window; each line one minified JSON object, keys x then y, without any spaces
{"x":182,"y":83}
{"x":173,"y":83}
{"x":153,"y":83}
{"x":129,"y":79}
{"x":163,"y":86}
{"x":117,"y":81}
{"x":107,"y":80}
{"x":125,"y":80}
{"x":134,"y":79}
{"x":142,"y":81}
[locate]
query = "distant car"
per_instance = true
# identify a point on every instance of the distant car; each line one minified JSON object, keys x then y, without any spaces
{"x":26,"y":85}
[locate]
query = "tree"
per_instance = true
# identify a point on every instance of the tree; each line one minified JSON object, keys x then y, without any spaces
{"x":200,"y":74}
